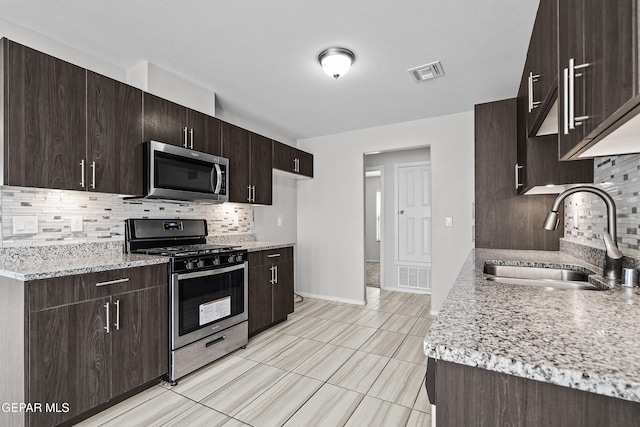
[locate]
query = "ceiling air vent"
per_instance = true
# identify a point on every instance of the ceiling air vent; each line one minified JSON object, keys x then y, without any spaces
{"x":427,"y":71}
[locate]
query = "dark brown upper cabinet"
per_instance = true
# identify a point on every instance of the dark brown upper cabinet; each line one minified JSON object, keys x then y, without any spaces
{"x":597,"y":72}
{"x":69,"y":128}
{"x":44,"y":119}
{"x":504,"y":219}
{"x":250,"y":165}
{"x":537,"y":156}
{"x":114,"y":136}
{"x":290,"y":159}
{"x":171,"y":123}
{"x":541,"y":68}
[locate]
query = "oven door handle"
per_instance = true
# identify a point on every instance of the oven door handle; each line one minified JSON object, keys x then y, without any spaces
{"x":211,"y":272}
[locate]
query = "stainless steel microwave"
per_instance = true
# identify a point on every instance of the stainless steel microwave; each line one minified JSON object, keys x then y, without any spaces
{"x":176,"y":173}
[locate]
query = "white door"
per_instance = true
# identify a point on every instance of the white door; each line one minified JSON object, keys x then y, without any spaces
{"x":414,"y":213}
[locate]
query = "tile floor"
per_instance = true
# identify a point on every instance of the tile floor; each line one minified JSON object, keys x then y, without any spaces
{"x":330,"y":364}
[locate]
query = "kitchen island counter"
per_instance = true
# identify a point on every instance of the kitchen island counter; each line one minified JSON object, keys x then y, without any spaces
{"x":584,"y":340}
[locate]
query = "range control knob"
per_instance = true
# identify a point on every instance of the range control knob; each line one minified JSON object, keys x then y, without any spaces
{"x":216,"y":261}
{"x":232,"y":258}
{"x":190,"y":265}
{"x":239,"y":257}
{"x":201,"y":263}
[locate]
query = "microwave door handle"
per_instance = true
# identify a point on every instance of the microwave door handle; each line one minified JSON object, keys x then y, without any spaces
{"x":218,"y":179}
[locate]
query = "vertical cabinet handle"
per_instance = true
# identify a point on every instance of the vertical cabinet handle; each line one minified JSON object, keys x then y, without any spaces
{"x":572,"y":94}
{"x":117,"y":324}
{"x":276,"y":268}
{"x":253,"y":198}
{"x":184,"y":138}
{"x":191,"y":138}
{"x":93,"y":174}
{"x":517,"y":173}
{"x":249,"y":195}
{"x":82,"y":173}
{"x":532,"y":79}
{"x":570,"y":78}
{"x":272,"y":275}
{"x":108,"y":325}
{"x":566,"y":101}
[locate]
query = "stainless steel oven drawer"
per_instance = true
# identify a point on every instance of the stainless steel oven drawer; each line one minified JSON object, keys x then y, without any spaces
{"x":204,"y":351}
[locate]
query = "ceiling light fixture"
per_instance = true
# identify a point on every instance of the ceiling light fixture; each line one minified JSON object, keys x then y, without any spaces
{"x":336,"y":61}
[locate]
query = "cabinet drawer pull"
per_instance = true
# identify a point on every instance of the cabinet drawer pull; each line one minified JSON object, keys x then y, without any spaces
{"x":108,"y":326}
{"x":112,"y":282}
{"x":216,"y":341}
{"x":273,"y":255}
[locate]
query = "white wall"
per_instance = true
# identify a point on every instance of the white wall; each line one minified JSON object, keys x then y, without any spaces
{"x":278,"y":222}
{"x":330,"y":215}
{"x":47,"y":45}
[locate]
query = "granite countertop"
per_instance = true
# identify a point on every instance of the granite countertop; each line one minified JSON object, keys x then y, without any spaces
{"x":586,"y":340}
{"x":263,"y":246}
{"x":32,"y":263}
{"x":34,"y":268}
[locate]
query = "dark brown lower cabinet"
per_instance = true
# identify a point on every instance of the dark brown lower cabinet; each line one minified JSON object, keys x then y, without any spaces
{"x":469,"y":396}
{"x":270,"y":288}
{"x":92,"y":338}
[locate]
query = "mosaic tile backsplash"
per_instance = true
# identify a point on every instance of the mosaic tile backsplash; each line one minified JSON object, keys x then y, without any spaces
{"x":586,"y":214}
{"x":103,"y":216}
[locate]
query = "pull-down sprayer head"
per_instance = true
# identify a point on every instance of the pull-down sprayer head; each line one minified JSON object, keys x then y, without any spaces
{"x":613,"y":258}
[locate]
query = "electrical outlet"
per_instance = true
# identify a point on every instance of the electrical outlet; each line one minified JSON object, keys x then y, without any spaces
{"x":76,"y":223}
{"x":448,"y":221}
{"x":25,"y":224}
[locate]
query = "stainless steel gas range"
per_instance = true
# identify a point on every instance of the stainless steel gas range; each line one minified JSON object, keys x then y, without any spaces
{"x":208,"y":290}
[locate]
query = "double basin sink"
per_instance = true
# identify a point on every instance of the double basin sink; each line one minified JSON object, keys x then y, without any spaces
{"x":543,"y":277}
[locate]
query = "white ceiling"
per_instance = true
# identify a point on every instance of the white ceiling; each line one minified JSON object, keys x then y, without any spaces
{"x":260,"y":57}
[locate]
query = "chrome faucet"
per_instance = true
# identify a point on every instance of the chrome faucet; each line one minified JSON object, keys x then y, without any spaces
{"x":613,"y":257}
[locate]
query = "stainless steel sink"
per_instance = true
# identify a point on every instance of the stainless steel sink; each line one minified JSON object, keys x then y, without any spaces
{"x":552,"y":278}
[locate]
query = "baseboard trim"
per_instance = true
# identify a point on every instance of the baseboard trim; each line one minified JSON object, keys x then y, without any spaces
{"x":328,"y":298}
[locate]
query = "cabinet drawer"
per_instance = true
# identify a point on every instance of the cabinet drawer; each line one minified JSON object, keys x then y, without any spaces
{"x":270,"y":256}
{"x":57,"y":291}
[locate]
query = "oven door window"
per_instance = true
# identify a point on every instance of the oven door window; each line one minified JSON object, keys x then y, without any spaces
{"x":180,"y":173}
{"x":208,"y":299}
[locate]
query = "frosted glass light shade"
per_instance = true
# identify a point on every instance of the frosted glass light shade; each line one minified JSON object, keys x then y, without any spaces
{"x":336,"y":61}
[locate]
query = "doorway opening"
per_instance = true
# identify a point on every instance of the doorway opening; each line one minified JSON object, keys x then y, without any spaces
{"x":397,"y":209}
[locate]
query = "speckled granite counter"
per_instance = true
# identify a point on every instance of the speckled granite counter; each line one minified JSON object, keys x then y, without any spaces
{"x":32,"y":263}
{"x":585,"y":340}
{"x":43,"y":269}
{"x":263,"y":246}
